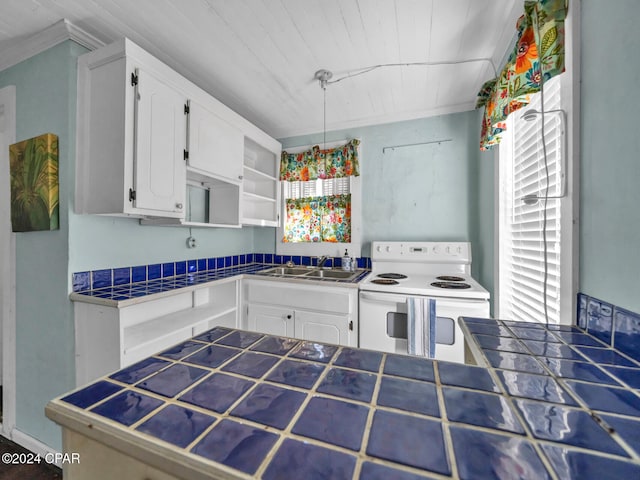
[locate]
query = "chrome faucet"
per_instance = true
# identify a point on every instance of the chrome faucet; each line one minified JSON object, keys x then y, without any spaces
{"x":321,"y":261}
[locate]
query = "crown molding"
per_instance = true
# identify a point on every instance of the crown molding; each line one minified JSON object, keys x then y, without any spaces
{"x":59,"y":32}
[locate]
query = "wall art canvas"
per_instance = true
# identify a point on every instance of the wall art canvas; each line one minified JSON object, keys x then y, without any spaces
{"x":34,"y":184}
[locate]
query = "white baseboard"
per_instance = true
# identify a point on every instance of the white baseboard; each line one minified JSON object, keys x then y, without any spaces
{"x":35,"y":446}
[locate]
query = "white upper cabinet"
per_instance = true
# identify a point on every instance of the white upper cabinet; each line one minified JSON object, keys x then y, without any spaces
{"x":215,"y":146}
{"x":131,"y":134}
{"x":152,"y":145}
{"x":159,"y":172}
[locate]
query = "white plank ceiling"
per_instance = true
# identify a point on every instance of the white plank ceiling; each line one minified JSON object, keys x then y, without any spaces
{"x":259,"y":56}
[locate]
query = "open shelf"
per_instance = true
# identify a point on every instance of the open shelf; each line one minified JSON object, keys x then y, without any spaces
{"x":256,"y":175}
{"x":260,"y":186}
{"x":252,"y":197}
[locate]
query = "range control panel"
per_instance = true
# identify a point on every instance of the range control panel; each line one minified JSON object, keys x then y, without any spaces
{"x":422,"y":252}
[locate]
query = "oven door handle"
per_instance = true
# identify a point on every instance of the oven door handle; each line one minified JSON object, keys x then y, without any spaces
{"x":383,"y":297}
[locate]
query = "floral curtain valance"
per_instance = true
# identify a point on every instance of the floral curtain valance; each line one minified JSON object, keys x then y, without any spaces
{"x":316,"y":163}
{"x":538,"y":55}
{"x":318,"y":219}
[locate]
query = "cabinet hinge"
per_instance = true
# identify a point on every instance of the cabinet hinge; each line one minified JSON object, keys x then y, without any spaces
{"x":185,"y":154}
{"x":132,"y":194}
{"x":134,"y":79}
{"x":351,"y":325}
{"x":186,"y":109}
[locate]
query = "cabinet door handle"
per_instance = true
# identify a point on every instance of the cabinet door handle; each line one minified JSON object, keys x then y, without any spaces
{"x":289,"y":317}
{"x":179,"y":206}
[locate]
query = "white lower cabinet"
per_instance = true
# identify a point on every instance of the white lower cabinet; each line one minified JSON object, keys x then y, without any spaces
{"x":323,"y":327}
{"x":315,"y":312}
{"x":109,"y":338}
{"x":271,"y":320}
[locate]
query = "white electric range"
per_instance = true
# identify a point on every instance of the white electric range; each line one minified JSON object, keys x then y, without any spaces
{"x":437,"y":270}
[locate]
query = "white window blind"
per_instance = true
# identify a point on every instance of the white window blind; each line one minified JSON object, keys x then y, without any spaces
{"x":523,"y":172}
{"x":316,"y":188}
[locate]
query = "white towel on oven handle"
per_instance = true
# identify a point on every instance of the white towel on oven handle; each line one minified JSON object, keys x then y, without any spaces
{"x":421,"y":326}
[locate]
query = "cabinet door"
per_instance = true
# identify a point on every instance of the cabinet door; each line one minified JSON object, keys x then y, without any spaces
{"x":159,"y":170}
{"x":322,"y":327}
{"x":215,"y":146}
{"x":271,"y":320}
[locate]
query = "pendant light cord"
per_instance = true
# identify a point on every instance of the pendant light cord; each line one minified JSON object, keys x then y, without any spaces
{"x":324,"y":117}
{"x":545,"y":245}
{"x":362,"y":71}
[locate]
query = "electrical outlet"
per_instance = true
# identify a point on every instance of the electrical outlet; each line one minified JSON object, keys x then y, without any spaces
{"x":191,"y":242}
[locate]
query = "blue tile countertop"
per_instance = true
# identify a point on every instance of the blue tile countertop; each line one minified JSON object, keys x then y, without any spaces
{"x":551,"y":404}
{"x":574,"y":400}
{"x":122,"y":294}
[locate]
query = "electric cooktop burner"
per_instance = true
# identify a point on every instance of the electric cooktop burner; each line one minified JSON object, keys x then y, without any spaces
{"x":384,"y":281}
{"x":455,"y":285}
{"x":394,"y":276}
{"x":450,"y":278}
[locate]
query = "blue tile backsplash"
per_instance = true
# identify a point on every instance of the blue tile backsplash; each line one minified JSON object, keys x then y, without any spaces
{"x":614,"y":326}
{"x":202,"y":269}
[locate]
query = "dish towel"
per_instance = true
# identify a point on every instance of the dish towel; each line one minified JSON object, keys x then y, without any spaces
{"x":421,"y":326}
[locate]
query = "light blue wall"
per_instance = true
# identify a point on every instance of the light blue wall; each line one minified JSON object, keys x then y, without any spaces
{"x":610,"y":165}
{"x":46,"y":102}
{"x":45,"y":96}
{"x":109,"y":242}
{"x":484,"y":211}
{"x":422,"y":192}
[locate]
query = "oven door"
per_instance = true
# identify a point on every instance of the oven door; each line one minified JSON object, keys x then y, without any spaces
{"x":383,"y":323}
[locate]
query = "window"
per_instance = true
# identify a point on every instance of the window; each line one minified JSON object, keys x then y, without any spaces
{"x":536,"y":263}
{"x":318,"y":211}
{"x":331,"y":207}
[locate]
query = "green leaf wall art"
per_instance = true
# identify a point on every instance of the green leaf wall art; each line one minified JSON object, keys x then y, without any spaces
{"x":34,"y":184}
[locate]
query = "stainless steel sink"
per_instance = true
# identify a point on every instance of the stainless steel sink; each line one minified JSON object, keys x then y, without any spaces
{"x":310,"y":272}
{"x":339,"y":274}
{"x":286,"y":271}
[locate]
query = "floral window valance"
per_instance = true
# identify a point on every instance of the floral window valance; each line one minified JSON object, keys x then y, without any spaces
{"x":316,"y":163}
{"x":318,"y":219}
{"x":538,"y":55}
